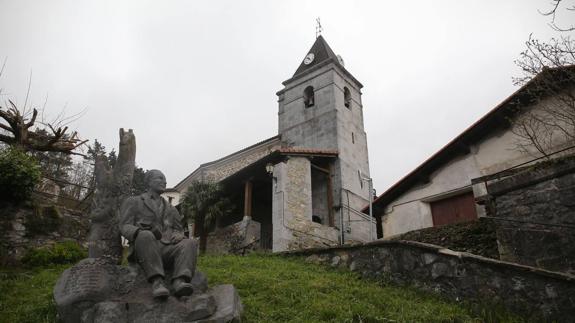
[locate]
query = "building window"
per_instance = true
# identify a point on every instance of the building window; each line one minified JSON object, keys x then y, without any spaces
{"x":347,"y":97}
{"x":308,"y":97}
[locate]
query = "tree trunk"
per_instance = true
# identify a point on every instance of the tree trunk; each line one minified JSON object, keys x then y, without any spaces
{"x":112,"y":188}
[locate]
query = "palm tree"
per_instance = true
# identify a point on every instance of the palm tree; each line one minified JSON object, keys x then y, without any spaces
{"x":204,"y":204}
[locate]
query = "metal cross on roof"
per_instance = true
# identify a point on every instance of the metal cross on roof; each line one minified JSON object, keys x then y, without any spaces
{"x":318,"y":28}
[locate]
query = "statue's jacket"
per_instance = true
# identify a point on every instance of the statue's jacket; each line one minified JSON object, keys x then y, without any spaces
{"x":142,"y":212}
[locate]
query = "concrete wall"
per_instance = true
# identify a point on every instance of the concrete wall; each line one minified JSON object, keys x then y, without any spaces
{"x":536,"y":294}
{"x":412,"y":210}
{"x":496,"y":152}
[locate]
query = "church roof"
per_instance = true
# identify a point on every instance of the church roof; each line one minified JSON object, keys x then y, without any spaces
{"x":321,"y":52}
{"x":323,"y":55}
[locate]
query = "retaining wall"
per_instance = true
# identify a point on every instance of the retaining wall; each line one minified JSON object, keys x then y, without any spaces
{"x":23,"y":228}
{"x":535,"y":215}
{"x":529,"y":291}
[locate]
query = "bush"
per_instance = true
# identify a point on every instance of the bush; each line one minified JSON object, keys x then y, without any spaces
{"x":19,"y":173}
{"x":60,"y":253}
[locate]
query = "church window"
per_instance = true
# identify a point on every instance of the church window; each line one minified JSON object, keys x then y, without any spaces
{"x":308,"y":97}
{"x":347,"y":97}
{"x":352,"y":138}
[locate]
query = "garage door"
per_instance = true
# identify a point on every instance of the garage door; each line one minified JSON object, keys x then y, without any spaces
{"x":459,"y":208}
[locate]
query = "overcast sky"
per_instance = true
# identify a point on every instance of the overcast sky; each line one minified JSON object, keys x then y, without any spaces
{"x":196,"y":80}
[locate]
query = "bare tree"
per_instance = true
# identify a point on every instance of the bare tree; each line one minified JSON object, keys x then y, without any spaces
{"x":556,"y":7}
{"x":548,"y":80}
{"x":21,"y":131}
{"x":20,"y":127}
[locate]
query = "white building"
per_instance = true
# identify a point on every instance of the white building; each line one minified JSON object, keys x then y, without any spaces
{"x":440,"y":190}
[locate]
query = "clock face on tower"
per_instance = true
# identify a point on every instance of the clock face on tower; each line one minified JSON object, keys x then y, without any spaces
{"x":308,"y":59}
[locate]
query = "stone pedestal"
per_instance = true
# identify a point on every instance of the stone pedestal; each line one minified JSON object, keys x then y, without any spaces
{"x":98,"y":291}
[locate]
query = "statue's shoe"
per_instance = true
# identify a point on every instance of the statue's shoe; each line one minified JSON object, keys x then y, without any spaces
{"x":181,"y":288}
{"x":159,"y":290}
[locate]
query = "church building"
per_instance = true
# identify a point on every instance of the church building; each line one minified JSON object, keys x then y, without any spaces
{"x":304,"y":187}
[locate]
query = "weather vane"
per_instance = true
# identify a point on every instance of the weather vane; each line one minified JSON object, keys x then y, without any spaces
{"x":318,"y":28}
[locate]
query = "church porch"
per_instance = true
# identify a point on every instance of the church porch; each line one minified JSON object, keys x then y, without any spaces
{"x":249,"y":226}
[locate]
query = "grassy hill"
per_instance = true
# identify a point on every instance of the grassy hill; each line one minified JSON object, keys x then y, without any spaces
{"x":273,"y":289}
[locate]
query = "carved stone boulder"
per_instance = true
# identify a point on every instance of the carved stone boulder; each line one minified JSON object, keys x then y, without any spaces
{"x":97,"y":290}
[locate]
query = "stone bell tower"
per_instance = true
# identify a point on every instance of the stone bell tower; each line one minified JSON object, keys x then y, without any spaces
{"x":320,"y":114}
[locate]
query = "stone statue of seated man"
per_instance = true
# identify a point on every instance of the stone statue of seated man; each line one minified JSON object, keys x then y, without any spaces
{"x":155,"y":232}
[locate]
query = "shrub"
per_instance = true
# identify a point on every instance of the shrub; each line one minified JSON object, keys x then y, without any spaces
{"x":60,"y":253}
{"x":19,"y":173}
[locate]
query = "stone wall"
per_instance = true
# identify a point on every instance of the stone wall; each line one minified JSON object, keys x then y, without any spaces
{"x":530,"y":292}
{"x":23,"y":228}
{"x":535,"y":215}
{"x":293,"y":227}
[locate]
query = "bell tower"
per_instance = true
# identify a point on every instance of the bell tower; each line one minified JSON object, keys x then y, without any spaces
{"x":320,"y":110}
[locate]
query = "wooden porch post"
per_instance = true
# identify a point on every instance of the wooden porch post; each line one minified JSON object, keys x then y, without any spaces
{"x":330,"y":196}
{"x":248,"y":199}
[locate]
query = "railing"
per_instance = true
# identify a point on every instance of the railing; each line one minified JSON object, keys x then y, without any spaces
{"x":485,"y":180}
{"x":516,"y":168}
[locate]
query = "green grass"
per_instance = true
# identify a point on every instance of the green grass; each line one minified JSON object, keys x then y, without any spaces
{"x":26,"y":295}
{"x":273,"y":289}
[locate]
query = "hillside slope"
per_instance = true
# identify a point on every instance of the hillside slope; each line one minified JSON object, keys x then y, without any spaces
{"x":272,"y":288}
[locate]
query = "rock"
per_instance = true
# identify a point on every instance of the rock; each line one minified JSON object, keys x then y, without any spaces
{"x":429,"y":258}
{"x":229,"y":305}
{"x":17,"y":226}
{"x":79,"y":288}
{"x":106,"y":312}
{"x":353,"y":266}
{"x":99,"y":291}
{"x":439,"y":269}
{"x":199,"y":282}
{"x":186,"y":309}
{"x":335,"y":261}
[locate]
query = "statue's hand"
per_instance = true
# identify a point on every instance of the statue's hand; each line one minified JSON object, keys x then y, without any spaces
{"x":177,"y":237}
{"x":157,"y":233}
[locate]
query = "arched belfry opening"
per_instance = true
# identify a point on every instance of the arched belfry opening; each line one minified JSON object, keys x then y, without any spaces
{"x":308,"y":97}
{"x":347,"y":97}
